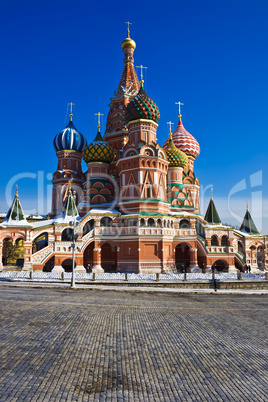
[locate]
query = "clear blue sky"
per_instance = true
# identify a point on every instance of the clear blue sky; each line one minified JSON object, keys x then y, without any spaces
{"x":211,"y":55}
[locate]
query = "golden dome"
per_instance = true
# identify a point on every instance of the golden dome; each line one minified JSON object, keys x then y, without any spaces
{"x":128,"y":42}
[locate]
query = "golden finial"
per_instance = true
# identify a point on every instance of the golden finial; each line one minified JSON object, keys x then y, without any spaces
{"x":211,"y":193}
{"x":70,"y":185}
{"x":128,"y":31}
{"x":247,"y":205}
{"x":99,"y":115}
{"x":180,"y":104}
{"x":170,"y":133}
{"x":71,"y":110}
{"x":17,"y":192}
{"x":141,"y":67}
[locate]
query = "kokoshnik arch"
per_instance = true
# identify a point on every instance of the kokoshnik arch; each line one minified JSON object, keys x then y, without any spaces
{"x":136,"y":208}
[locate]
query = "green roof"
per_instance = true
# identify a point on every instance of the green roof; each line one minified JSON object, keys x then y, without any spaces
{"x":212,"y":215}
{"x":15,"y":212}
{"x":69,"y":208}
{"x":248,"y":224}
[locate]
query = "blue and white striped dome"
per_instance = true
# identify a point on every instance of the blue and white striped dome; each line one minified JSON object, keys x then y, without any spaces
{"x":70,"y":139}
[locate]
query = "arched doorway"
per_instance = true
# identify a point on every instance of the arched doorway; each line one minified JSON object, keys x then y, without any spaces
{"x":221,"y":266}
{"x":13,"y":254}
{"x":49,"y":265}
{"x":182,"y":256}
{"x":67,"y":265}
{"x":40,"y":242}
{"x":108,"y":257}
{"x":88,"y":257}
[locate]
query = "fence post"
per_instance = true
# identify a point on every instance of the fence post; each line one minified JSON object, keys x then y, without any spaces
{"x":185,"y":276}
{"x":266,"y":275}
{"x":62,"y":276}
{"x":126,"y":279}
{"x":93,"y":276}
{"x":31,"y":274}
{"x":157,"y":277}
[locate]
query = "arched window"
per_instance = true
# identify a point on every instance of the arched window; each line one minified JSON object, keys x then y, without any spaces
{"x":214,"y":240}
{"x":148,"y":192}
{"x":159,"y":223}
{"x":67,"y":234}
{"x":240,"y":248}
{"x":184,"y":224}
{"x":88,"y":227}
{"x":142,"y":222}
{"x":151,"y":222}
{"x":106,"y":221}
{"x":224,"y":241}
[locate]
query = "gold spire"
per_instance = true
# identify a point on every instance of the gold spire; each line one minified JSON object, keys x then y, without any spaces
{"x":170,"y":133}
{"x":180,"y":104}
{"x":99,"y":115}
{"x":71,"y":110}
{"x":247,"y":205}
{"x":17,"y":192}
{"x":141,"y":67}
{"x":211,"y":193}
{"x":70,"y":185}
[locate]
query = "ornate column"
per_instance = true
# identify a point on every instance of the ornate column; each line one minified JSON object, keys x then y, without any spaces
{"x":97,"y":258}
{"x":193,"y":261}
{"x":27,"y":266}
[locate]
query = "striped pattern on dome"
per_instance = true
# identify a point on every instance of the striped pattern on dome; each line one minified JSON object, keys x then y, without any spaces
{"x":142,"y":107}
{"x":98,"y":151}
{"x":184,"y":141}
{"x":70,"y":139}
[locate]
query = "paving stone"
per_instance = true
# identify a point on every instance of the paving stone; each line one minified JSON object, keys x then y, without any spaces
{"x":63,"y":345}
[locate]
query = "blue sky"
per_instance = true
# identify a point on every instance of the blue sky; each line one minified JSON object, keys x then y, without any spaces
{"x":210,"y":55}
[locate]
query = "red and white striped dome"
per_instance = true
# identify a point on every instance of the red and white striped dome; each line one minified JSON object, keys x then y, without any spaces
{"x":184,"y":141}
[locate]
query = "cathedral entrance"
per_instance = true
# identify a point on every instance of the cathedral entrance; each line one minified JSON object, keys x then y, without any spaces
{"x":221,"y":266}
{"x":67,"y":265}
{"x":108,"y":257}
{"x":88,"y":257}
{"x":182,"y":256}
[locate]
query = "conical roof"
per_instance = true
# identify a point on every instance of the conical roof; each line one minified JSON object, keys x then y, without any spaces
{"x":212,"y":215}
{"x":15,"y":215}
{"x":142,"y":107}
{"x":69,"y":208}
{"x":248,"y":224}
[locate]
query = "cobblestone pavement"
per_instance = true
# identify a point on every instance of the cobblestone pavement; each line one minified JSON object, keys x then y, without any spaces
{"x":80,"y":345}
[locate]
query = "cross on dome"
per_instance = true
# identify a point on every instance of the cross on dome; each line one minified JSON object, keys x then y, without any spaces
{"x":180,"y":104}
{"x":170,"y":123}
{"x":99,"y":115}
{"x":128,"y":31}
{"x":142,"y":67}
{"x":71,"y":110}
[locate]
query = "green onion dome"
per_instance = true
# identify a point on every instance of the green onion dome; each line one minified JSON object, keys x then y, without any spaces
{"x":176,"y":157}
{"x":142,"y":107}
{"x":98,"y":151}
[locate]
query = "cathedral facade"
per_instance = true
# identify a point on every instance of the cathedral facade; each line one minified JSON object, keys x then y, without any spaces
{"x":135,"y":208}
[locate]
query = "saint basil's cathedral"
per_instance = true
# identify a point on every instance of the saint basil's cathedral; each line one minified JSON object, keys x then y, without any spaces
{"x":136,"y":208}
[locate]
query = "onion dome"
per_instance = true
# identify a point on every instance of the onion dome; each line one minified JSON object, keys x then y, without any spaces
{"x":184,"y":141}
{"x":98,"y":151}
{"x":70,"y":139}
{"x":142,"y":107}
{"x":128,"y":42}
{"x":176,"y":157}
